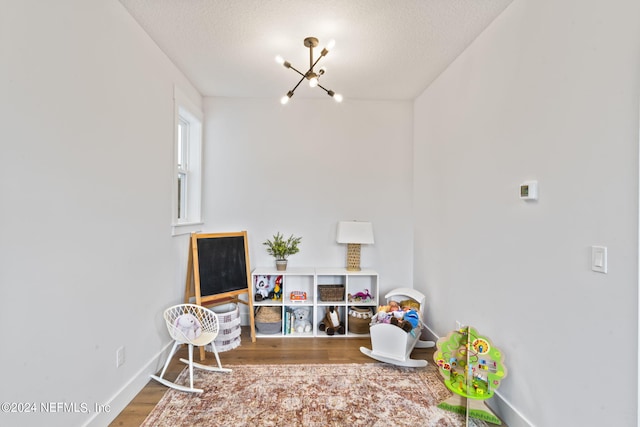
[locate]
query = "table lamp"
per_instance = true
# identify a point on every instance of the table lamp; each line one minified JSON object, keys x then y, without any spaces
{"x":354,"y":234}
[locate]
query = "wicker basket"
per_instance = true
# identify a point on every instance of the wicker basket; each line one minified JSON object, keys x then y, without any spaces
{"x":330,"y":293}
{"x":359,"y":319}
{"x":268,"y":320}
{"x":269,"y":327}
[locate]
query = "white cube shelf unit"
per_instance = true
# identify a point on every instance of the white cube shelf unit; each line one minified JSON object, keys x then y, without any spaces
{"x":360,"y":290}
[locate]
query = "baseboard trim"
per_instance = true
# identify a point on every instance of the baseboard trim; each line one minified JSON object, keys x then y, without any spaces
{"x":501,"y":406}
{"x":508,"y":413}
{"x":125,"y":395}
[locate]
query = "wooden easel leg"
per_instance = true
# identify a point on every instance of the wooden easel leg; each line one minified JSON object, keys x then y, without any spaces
{"x":251,"y":315}
{"x":189,"y":288}
{"x":189,"y":281}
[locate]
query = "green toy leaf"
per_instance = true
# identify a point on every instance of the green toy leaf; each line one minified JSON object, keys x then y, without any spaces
{"x":470,"y":364}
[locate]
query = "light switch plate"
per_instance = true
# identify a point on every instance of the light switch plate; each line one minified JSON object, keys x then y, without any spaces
{"x":599,"y":259}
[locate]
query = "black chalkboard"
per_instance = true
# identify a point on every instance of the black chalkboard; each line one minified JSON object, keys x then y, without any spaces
{"x":219,"y":272}
{"x":222,"y":264}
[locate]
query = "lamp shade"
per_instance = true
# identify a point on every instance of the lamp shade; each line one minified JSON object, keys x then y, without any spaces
{"x":355,"y":232}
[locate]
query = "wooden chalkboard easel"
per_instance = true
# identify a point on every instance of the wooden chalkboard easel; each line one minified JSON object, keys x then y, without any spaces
{"x":218,"y":272}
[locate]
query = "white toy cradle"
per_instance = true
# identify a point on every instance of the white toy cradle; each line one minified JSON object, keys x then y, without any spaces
{"x":391,"y":344}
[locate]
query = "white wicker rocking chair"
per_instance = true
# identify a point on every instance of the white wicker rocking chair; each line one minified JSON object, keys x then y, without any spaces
{"x":203,"y":330}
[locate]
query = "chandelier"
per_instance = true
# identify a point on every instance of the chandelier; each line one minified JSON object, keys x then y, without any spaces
{"x":310,"y":75}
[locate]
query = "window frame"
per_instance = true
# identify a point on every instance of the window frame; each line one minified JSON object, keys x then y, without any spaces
{"x":187,"y":198}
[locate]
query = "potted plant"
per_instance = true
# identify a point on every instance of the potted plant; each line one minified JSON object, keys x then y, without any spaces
{"x":281,"y":248}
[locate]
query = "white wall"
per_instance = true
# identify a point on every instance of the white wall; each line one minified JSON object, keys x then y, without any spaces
{"x":87,"y":262}
{"x":303,"y":167}
{"x":550,"y":92}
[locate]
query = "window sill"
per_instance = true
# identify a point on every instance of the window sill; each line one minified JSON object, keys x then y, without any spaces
{"x":186,"y":228}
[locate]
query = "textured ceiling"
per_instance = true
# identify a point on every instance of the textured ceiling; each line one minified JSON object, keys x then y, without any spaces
{"x":385,"y":49}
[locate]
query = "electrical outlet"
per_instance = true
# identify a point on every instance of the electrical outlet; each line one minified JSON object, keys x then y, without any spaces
{"x":119,"y":357}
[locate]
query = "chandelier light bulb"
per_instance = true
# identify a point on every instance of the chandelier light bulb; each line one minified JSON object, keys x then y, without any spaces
{"x":313,"y":82}
{"x":331,"y":45}
{"x":337,"y":97}
{"x":280,"y":60}
{"x":286,"y":98}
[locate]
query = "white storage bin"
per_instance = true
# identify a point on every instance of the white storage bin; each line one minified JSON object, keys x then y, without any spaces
{"x":229,"y":329}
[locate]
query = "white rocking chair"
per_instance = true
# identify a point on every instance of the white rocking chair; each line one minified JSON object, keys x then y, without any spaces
{"x":202,"y":331}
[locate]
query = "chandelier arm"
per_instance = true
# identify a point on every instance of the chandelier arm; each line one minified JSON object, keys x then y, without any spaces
{"x":336,"y":96}
{"x":309,"y":70}
{"x":314,"y":64}
{"x":298,"y":84}
{"x":294,"y":69}
{"x":323,"y":88}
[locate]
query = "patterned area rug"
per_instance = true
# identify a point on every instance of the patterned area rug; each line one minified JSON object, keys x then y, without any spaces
{"x":372,"y":394}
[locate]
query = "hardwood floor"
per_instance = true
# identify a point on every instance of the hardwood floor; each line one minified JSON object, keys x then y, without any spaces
{"x":263,"y":351}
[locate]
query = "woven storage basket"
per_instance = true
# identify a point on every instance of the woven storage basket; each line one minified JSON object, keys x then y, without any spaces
{"x":268,"y":320}
{"x":359,"y":319}
{"x":269,"y":327}
{"x":229,"y":328}
{"x":331,"y":292}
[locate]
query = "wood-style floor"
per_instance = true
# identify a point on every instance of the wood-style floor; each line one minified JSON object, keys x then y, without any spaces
{"x":337,"y":349}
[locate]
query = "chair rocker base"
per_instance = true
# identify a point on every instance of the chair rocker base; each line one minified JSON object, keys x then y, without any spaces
{"x":425,"y":344}
{"x":176,"y":386}
{"x":206,"y":367}
{"x":407,"y":362}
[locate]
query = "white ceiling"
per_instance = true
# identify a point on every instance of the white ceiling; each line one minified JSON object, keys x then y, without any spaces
{"x":385,"y":49}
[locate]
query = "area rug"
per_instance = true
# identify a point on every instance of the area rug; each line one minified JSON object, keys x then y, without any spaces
{"x":320,"y":395}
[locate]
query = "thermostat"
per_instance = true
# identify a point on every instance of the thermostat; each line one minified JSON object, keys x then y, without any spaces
{"x":529,"y":190}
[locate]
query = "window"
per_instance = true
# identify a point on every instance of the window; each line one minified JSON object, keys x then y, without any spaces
{"x":188,"y":164}
{"x":182,"y":153}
